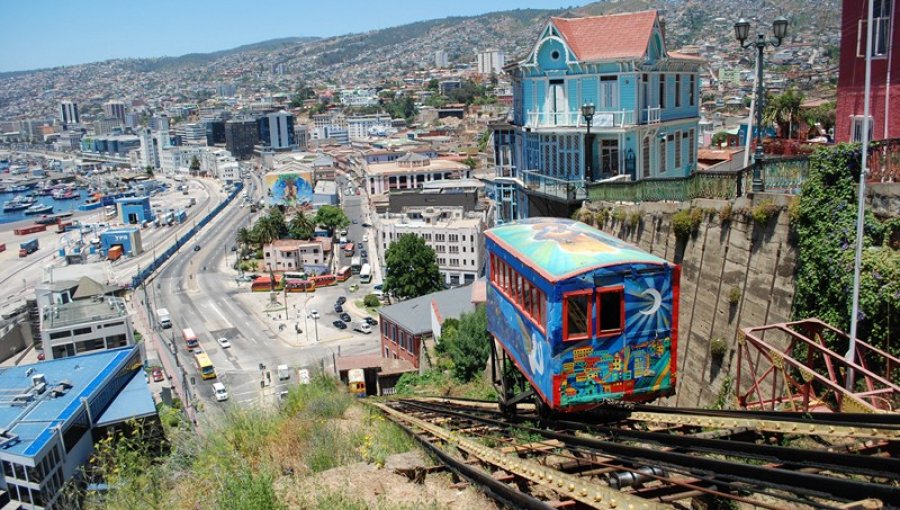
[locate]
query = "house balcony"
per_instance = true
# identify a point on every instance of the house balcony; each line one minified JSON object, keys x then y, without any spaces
{"x":574,"y":119}
{"x":568,"y":191}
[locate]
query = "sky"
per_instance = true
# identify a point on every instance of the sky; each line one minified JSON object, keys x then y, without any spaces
{"x":47,"y":33}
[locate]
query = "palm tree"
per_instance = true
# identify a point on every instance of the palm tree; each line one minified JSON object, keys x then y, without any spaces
{"x":782,"y":110}
{"x":301,"y":226}
{"x":244,"y":237}
{"x":265,"y":230}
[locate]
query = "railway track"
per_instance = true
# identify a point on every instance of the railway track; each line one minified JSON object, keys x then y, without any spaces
{"x":651,"y":457}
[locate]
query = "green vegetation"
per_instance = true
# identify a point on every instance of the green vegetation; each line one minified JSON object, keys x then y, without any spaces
{"x":301,"y":226}
{"x":784,"y":110}
{"x":411,"y":268}
{"x":725,"y":213}
{"x":718,"y":347}
{"x":371,"y":301}
{"x":734,"y":295}
{"x":467,"y":344}
{"x":719,"y":138}
{"x":826,"y":231}
{"x":763,"y":212}
{"x":253,"y":460}
{"x":634,"y":219}
{"x":331,"y":217}
{"x":685,"y":222}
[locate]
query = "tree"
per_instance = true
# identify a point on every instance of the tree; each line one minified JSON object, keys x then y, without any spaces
{"x":270,"y":227}
{"x":195,"y":165}
{"x":468,"y":344}
{"x":783,"y":110}
{"x":823,"y":115}
{"x":433,"y":84}
{"x":470,"y":162}
{"x":719,"y":138}
{"x":244,"y":237}
{"x":411,"y":268}
{"x":331,"y":217}
{"x":301,"y":226}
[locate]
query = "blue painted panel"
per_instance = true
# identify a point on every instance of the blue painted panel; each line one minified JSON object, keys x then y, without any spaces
{"x":541,"y":86}
{"x":609,"y":68}
{"x":589,"y":90}
{"x":527,"y":101}
{"x":627,"y":96}
{"x":572,"y":94}
{"x":549,"y":49}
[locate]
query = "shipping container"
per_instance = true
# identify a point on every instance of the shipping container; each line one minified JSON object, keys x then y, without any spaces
{"x":28,"y":247}
{"x":31,"y":229}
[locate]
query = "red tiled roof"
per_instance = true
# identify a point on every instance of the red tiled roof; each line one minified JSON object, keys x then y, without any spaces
{"x":684,"y":56}
{"x":607,"y":37}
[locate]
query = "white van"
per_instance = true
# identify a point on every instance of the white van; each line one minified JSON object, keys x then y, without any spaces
{"x":362,"y":327}
{"x":283,"y":372}
{"x":220,"y":392}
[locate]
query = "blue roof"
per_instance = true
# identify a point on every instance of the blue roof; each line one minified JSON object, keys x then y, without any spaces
{"x":33,"y":423}
{"x":134,"y":401}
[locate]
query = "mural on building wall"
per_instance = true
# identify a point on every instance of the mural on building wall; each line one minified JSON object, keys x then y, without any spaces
{"x":290,"y":188}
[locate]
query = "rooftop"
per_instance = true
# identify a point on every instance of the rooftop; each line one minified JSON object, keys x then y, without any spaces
{"x":414,"y":316}
{"x":615,"y":36}
{"x":435,"y":165}
{"x":560,"y":248}
{"x":82,"y":311}
{"x":32,"y":419}
{"x":292,"y":244}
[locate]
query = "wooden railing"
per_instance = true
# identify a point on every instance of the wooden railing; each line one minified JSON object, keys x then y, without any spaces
{"x":884,"y":161}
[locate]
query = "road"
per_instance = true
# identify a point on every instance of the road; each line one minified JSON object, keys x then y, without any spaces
{"x":199,"y":290}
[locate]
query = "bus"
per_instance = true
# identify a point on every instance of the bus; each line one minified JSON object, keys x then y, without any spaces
{"x":264,"y":283}
{"x":349,"y":250}
{"x":190,"y":339}
{"x":324,"y":280}
{"x":343,"y":274}
{"x":365,"y":274}
{"x":205,"y":366}
{"x":293,"y":285}
{"x":355,"y":265}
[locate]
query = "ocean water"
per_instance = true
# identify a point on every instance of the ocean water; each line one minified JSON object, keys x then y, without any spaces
{"x":59,"y":206}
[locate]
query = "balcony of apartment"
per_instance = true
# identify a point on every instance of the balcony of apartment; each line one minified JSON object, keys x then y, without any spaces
{"x":538,"y":119}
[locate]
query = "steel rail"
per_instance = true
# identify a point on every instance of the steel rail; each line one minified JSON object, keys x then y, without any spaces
{"x":810,"y":484}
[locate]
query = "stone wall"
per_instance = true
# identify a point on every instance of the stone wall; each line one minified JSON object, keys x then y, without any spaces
{"x":756,"y":260}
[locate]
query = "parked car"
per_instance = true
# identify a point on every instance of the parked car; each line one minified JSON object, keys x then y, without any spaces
{"x":196,"y":247}
{"x":364,"y":254}
{"x":314,"y":314}
{"x":339,"y":324}
{"x":366,"y":225}
{"x":341,"y":300}
{"x":338,"y":309}
{"x":355,"y":222}
{"x":157,"y":374}
{"x":346,"y":317}
{"x":359,"y":246}
{"x":371,"y":321}
{"x":41,"y":356}
{"x":244,"y":278}
{"x":220,"y":392}
{"x":224,"y":342}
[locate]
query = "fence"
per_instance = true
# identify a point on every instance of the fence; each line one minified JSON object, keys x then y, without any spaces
{"x":884,"y":161}
{"x":145,"y":273}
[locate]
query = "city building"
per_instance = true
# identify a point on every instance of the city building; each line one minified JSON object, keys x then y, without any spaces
{"x":458,"y":193}
{"x":411,"y":171}
{"x":276,"y":130}
{"x":53,"y":412}
{"x":191,"y":133}
{"x":149,"y":149}
{"x":292,"y":255}
{"x":454,"y":234}
{"x":116,"y":110}
{"x":68,"y":113}
{"x":445,"y":86}
{"x":118,"y":145}
{"x":226,"y":90}
{"x":644,"y":122}
{"x":440,"y":59}
{"x":359,"y":126}
{"x":884,"y":116}
{"x":159,"y":123}
{"x":301,"y":137}
{"x":241,"y":135}
{"x":215,"y":132}
{"x":85,"y":325}
{"x":490,"y":61}
{"x":359,"y":97}
{"x":409,"y":327}
{"x":107,"y":125}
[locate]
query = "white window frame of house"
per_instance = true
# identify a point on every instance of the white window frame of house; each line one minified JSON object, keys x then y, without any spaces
{"x":677,"y":92}
{"x":881,"y":30}
{"x":661,"y":100}
{"x":692,"y":91}
{"x":677,"y":149}
{"x":609,"y":152}
{"x":608,"y":93}
{"x":645,"y":156}
{"x":856,"y":124}
{"x":556,"y":103}
{"x":691,"y":147}
{"x":662,"y":154}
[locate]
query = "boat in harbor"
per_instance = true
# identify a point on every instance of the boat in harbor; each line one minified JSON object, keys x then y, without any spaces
{"x":38,"y":209}
{"x":64,"y":194}
{"x":18,"y":203}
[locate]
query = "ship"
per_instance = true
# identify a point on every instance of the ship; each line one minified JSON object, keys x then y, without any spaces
{"x":18,"y":203}
{"x":38,"y":209}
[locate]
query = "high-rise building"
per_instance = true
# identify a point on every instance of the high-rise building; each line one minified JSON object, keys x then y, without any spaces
{"x":68,"y":113}
{"x":440,"y":59}
{"x":358,"y":126}
{"x":149,"y":150}
{"x":490,"y":62}
{"x":115,"y":109}
{"x":215,"y":132}
{"x":192,"y":133}
{"x":276,"y":130}
{"x":301,"y":136}
{"x":240,"y":137}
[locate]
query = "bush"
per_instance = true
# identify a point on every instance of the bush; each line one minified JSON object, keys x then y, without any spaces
{"x":371,"y":301}
{"x":601,"y":217}
{"x":763,"y":212}
{"x":725,"y":213}
{"x":734,"y":296}
{"x":619,"y":215}
{"x":718,"y":347}
{"x":634,"y":219}
{"x":794,"y":210}
{"x":685,"y":222}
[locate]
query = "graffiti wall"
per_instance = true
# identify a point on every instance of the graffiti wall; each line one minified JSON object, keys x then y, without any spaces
{"x":289,"y":188}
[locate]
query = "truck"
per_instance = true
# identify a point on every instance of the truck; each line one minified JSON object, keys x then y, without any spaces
{"x":165,"y":320}
{"x":284,"y":373}
{"x":28,"y":247}
{"x":114,"y":253}
{"x":362,"y":327}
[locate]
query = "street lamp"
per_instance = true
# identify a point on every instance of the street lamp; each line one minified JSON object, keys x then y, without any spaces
{"x":741,"y":33}
{"x":587,"y":111}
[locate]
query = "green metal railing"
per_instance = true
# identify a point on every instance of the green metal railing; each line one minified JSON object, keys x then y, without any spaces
{"x":781,"y":175}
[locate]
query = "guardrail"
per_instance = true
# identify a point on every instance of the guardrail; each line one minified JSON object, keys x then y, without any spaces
{"x":145,"y":273}
{"x":559,"y":188}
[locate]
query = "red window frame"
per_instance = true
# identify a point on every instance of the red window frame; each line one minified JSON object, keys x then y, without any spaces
{"x":619,"y":289}
{"x":589,"y":323}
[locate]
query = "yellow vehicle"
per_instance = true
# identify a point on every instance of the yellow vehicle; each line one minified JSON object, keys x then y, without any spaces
{"x":357,"y":382}
{"x":205,"y":366}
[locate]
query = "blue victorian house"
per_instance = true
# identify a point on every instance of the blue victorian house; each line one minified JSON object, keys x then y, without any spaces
{"x":597,"y":98}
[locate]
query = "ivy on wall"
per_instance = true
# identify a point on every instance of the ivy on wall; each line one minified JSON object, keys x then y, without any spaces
{"x":825,"y":227}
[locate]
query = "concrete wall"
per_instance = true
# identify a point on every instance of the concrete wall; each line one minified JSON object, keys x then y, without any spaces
{"x":757,"y":260}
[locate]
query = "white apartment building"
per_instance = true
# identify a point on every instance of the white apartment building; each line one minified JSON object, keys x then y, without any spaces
{"x":359,"y":97}
{"x":194,"y":133}
{"x":149,"y":150}
{"x":86,"y":325}
{"x":292,"y":255}
{"x":440,"y":59}
{"x":358,"y":126}
{"x":491,"y":61}
{"x":411,"y":171}
{"x":455,"y":236}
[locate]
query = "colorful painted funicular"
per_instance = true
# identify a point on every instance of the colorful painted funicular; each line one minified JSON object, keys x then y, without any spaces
{"x":584,"y":316}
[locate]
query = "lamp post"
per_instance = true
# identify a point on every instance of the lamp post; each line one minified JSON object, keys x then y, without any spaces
{"x":587,"y":111}
{"x":741,"y":32}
